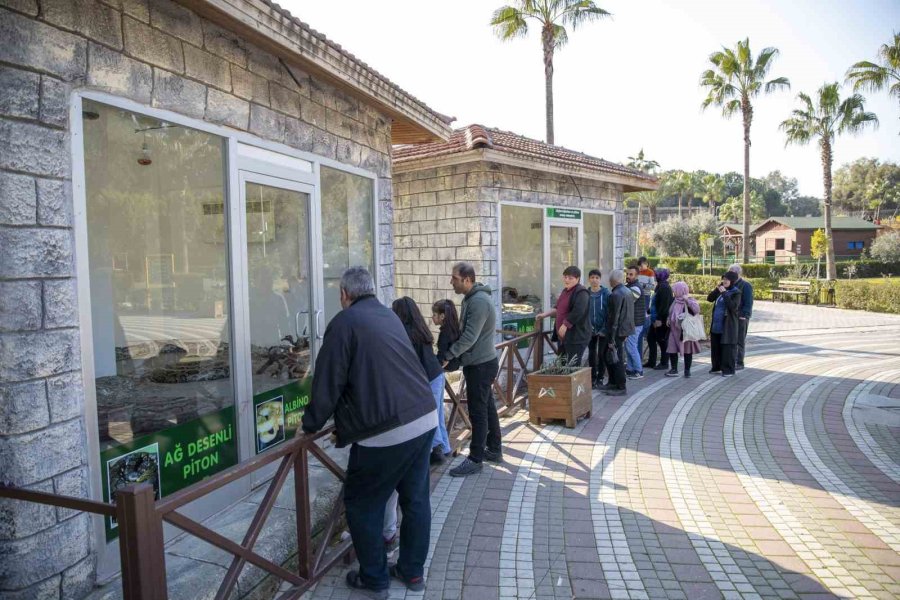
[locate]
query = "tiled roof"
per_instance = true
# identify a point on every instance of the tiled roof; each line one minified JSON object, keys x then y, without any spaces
{"x":818,"y":223}
{"x":505,"y":142}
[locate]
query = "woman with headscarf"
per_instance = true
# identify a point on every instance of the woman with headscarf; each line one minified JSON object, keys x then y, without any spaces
{"x":724,"y":335}
{"x":682,"y":305}
{"x":659,"y":316}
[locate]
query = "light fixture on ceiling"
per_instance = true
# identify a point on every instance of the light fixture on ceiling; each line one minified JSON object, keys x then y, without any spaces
{"x":144,"y":158}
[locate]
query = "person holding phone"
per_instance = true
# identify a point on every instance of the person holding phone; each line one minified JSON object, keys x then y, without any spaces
{"x":725,"y":332}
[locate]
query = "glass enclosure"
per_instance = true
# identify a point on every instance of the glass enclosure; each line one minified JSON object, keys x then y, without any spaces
{"x":522,"y":258}
{"x":159,"y":289}
{"x":599,"y":244}
{"x":563,"y":253}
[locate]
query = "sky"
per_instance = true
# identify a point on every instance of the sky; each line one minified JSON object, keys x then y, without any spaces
{"x":630,"y":81}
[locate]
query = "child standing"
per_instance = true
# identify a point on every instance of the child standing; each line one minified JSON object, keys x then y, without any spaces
{"x":444,"y":315}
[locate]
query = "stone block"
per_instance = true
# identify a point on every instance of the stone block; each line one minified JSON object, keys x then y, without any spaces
{"x":339,"y":124}
{"x":60,"y":303}
{"x":27,"y":561}
{"x":249,"y":86}
{"x":347,"y":152}
{"x":33,"y":149}
{"x":25,"y":6}
{"x":139,"y":9}
{"x":54,"y":202}
{"x":170,"y":17}
{"x":35,"y":252}
{"x":207,"y":67}
{"x":72,"y":483}
{"x":47,"y":589}
{"x":42,"y":47}
{"x":284,"y":100}
{"x":23,"y":408}
{"x":64,"y":397}
{"x":153,"y":46}
{"x":300,"y":79}
{"x":314,"y":113}
{"x":30,"y":355}
{"x":227,"y":109}
{"x":178,"y":94}
{"x":116,"y":73}
{"x":31,"y":457}
{"x":18,"y":199}
{"x":224,"y":44}
{"x":267,"y":66}
{"x":386,"y":211}
{"x":20,"y":305}
{"x":267,"y":123}
{"x":324,"y":144}
{"x":299,"y":135}
{"x":78,"y":581}
{"x":91,"y":19}
{"x":21,"y":519}
{"x":20,"y":96}
{"x":54,"y":101}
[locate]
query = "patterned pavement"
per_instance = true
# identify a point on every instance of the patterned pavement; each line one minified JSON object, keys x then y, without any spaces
{"x":782,"y":482}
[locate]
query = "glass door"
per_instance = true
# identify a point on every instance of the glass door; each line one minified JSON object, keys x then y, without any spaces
{"x":564,"y":242}
{"x":282,"y":315}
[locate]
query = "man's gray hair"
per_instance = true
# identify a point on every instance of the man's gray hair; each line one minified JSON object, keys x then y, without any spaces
{"x":465,"y":270}
{"x":616,"y":275}
{"x":357,"y":282}
{"x":736,"y":268}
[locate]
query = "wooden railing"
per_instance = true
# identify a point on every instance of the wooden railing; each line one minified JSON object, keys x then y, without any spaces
{"x":140,"y":523}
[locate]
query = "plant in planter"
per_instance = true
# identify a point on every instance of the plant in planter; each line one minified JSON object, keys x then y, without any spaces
{"x":559,"y":391}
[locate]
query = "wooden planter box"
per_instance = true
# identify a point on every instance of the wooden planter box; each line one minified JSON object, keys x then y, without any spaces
{"x":566,"y":397}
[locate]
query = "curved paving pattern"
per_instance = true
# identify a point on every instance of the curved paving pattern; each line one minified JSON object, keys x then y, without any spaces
{"x":777,"y":483}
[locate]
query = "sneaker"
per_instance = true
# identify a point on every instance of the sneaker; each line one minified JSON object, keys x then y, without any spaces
{"x":672,"y":373}
{"x":413,"y":584}
{"x":740,"y":367}
{"x":636,"y":376}
{"x":354,"y":582}
{"x":715,"y":370}
{"x":628,"y":373}
{"x":687,"y":374}
{"x":392,"y":544}
{"x":598,"y":385}
{"x":466,"y":467}
{"x":494,"y":456}
{"x":727,"y":374}
{"x":661,"y":367}
{"x":615,"y":392}
{"x":437,"y":457}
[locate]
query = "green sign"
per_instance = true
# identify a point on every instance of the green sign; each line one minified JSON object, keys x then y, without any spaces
{"x":278,"y":412}
{"x":171,"y":459}
{"x":521,"y":326}
{"x":564,"y":213}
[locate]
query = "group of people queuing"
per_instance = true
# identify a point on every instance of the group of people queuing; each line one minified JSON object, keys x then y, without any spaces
{"x":642,"y":306}
{"x":380,"y":377}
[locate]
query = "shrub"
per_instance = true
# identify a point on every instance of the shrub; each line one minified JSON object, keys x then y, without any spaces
{"x":701,"y":285}
{"x":882,"y":296}
{"x":678,"y":237}
{"x":686,"y":265}
{"x":886,"y":248}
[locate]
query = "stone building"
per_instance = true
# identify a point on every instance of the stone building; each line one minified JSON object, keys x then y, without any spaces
{"x":519,"y":209}
{"x":181,"y":186}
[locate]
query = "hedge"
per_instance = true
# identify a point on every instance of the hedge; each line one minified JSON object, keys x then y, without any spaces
{"x":691,"y":265}
{"x":883,"y":296}
{"x":701,"y":285}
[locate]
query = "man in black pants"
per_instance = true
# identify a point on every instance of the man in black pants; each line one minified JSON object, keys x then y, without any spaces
{"x":476,"y":351}
{"x":746,"y":312}
{"x":620,"y":324}
{"x":370,"y":379}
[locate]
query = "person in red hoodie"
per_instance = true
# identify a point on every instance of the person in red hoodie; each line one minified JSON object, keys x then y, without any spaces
{"x":573,"y":324}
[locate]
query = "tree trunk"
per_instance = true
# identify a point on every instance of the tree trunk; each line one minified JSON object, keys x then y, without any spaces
{"x":547,"y":39}
{"x":747,"y":111}
{"x":652,"y":210}
{"x":680,"y":201}
{"x":637,"y":233}
{"x":827,"y":158}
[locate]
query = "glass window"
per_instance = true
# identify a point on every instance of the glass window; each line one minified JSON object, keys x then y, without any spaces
{"x":159,"y":291}
{"x":348,"y":237}
{"x":563,"y":253}
{"x":522,"y":263}
{"x":599,"y":243}
{"x":779,"y":244}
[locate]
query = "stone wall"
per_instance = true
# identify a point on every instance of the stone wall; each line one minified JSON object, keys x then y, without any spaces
{"x":159,"y":54}
{"x":447,"y":214}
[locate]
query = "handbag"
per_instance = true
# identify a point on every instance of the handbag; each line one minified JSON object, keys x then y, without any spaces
{"x":693,"y":328}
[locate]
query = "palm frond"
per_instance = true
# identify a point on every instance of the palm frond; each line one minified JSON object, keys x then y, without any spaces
{"x":779,"y":83}
{"x":560,"y":36}
{"x":578,"y":12}
{"x":764,"y":62}
{"x":509,"y":23}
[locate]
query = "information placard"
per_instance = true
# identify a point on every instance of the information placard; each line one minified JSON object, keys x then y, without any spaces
{"x":278,"y":412}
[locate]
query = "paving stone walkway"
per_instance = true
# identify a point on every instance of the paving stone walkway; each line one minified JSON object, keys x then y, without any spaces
{"x":782,"y":482}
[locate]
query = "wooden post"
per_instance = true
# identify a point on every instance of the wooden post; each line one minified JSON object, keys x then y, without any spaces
{"x":305,"y":550}
{"x":538,"y":356}
{"x":141,"y":544}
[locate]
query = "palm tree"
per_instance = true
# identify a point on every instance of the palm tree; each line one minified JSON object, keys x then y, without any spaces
{"x":869,"y":76}
{"x":826,"y":119}
{"x":735,"y":79}
{"x":642,"y":164}
{"x":683,"y":184}
{"x":554,"y":16}
{"x":713,"y":190}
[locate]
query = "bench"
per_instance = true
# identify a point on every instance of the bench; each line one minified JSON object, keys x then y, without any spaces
{"x":792,"y":289}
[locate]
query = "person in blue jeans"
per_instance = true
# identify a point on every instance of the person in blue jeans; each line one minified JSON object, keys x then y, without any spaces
{"x":369,"y":378}
{"x":634,"y":364}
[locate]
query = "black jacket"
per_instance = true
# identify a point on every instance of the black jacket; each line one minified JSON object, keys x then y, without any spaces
{"x":664,"y":298}
{"x":443,"y":347}
{"x":367,"y":375}
{"x":429,"y":361}
{"x":746,"y":298}
{"x":620,"y":318}
{"x":579,"y":305}
{"x":732,"y":313}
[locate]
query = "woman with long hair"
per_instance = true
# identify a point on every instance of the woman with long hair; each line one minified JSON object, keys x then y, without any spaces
{"x":444,"y":315}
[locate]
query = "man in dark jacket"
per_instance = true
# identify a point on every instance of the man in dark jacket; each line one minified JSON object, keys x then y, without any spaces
{"x":619,"y":325}
{"x":573,"y":325}
{"x":476,"y":351}
{"x":370,"y":380}
{"x":597,"y":316}
{"x":635,"y":366}
{"x":746,"y":312}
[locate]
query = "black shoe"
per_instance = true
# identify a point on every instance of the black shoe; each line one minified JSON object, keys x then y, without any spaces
{"x":414,"y":584}
{"x":715,"y":370}
{"x":648,"y":365}
{"x":615,"y":392}
{"x":687,"y":374}
{"x":466,"y":467}
{"x":672,"y":373}
{"x":727,"y":374}
{"x":494,"y":456}
{"x":437,"y":456}
{"x":661,"y":367}
{"x":598,"y":385}
{"x":355,"y":583}
{"x":739,"y":367}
